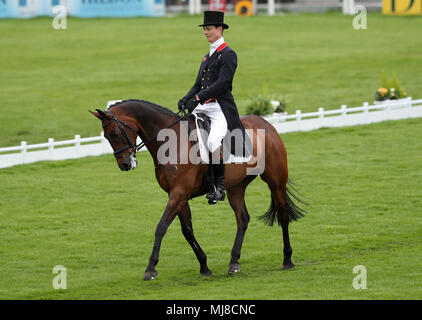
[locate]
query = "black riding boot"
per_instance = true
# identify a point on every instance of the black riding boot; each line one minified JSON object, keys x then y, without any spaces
{"x":218,"y":190}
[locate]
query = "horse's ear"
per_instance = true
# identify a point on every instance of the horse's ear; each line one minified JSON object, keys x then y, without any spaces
{"x":99,"y":114}
{"x":96,"y":114}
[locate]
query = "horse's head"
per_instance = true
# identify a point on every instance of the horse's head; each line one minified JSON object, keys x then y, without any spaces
{"x":121,"y":133}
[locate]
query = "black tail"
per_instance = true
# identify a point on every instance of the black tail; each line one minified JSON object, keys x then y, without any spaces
{"x":294,"y":212}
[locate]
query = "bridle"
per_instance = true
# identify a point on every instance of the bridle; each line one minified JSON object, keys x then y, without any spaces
{"x":121,"y":126}
{"x":134,"y":147}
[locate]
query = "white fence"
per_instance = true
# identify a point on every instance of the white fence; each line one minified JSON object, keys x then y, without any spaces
{"x":366,"y":114}
{"x":60,"y":150}
{"x":94,"y":146}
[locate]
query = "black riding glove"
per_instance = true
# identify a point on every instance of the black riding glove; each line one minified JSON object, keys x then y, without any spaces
{"x":192,"y":104}
{"x":181,"y":104}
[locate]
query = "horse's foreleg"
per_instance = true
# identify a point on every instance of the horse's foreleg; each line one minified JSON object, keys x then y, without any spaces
{"x":173,"y":207}
{"x":187,"y":230}
{"x":237,"y":202}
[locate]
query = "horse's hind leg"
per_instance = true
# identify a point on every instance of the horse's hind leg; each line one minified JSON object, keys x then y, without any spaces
{"x":278,"y":195}
{"x":279,"y":210}
{"x":237,"y":202}
{"x":187,"y":230}
{"x":287,"y":250}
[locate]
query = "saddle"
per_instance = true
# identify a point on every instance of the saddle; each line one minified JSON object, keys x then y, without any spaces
{"x":202,"y":123}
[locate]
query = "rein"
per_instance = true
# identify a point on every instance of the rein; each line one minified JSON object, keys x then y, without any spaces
{"x":139,"y":146}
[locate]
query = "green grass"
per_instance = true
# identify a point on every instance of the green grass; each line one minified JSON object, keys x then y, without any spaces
{"x":49,"y":78}
{"x":364,"y":184}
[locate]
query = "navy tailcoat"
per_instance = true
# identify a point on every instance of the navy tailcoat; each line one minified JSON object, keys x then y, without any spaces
{"x":214,"y":81}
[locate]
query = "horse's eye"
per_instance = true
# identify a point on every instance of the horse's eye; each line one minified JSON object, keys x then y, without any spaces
{"x":113,"y":134}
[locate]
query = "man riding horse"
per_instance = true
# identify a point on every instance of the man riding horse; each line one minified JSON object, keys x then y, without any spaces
{"x":211,"y":95}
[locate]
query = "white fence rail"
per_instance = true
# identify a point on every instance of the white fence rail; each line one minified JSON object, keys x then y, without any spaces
{"x":94,"y":146}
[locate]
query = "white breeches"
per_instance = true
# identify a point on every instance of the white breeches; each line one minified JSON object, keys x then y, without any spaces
{"x":218,"y":123}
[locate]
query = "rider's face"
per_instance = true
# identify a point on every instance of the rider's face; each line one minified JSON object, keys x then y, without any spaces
{"x":213,"y":33}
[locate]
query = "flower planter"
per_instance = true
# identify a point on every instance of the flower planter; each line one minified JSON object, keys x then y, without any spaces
{"x":395,"y":103}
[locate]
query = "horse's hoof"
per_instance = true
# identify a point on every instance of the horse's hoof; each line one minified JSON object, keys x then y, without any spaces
{"x":288,"y":266}
{"x":206,"y":273}
{"x":234,"y":267}
{"x":150,"y":275}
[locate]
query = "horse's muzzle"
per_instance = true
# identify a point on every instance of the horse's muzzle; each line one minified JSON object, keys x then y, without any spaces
{"x":130,"y":163}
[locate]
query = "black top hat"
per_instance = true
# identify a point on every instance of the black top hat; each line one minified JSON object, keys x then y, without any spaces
{"x":214,"y":18}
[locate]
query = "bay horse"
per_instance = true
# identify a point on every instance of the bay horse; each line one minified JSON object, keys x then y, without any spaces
{"x":126,"y":120}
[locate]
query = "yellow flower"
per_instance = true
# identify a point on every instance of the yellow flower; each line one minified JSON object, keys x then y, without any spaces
{"x":382,"y":91}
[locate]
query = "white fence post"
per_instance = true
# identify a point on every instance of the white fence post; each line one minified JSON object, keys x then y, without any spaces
{"x":365,"y":107}
{"x":349,"y":7}
{"x":321,"y":113}
{"x":23,"y":152}
{"x":271,"y":7}
{"x":298,"y":118}
{"x":51,"y":148}
{"x":78,"y":145}
{"x":321,"y":117}
{"x":343,"y":114}
{"x":194,"y":6}
{"x":409,"y":108}
{"x":191,"y":7}
{"x":198,"y":6}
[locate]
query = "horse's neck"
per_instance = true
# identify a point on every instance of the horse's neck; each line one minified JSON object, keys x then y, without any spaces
{"x":151,"y":121}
